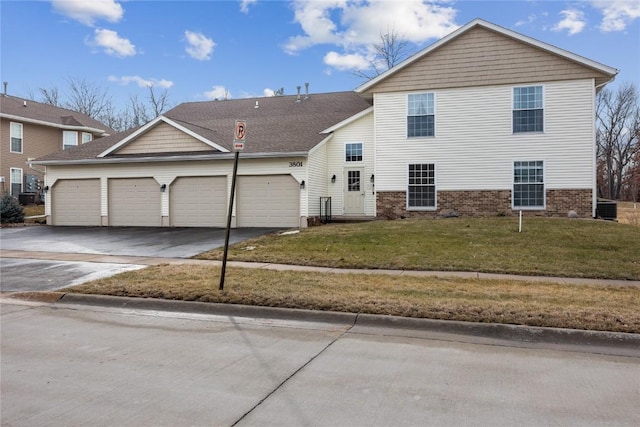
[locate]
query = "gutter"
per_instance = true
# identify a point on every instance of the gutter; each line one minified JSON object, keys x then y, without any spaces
{"x":51,"y":124}
{"x":114,"y":160}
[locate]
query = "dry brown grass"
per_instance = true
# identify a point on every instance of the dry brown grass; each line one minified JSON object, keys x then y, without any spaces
{"x":494,"y":301}
{"x":629,"y":213}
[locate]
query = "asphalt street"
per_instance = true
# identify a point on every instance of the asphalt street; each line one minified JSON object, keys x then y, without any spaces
{"x":77,"y":365}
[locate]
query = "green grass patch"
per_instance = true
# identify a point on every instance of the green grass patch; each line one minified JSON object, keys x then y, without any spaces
{"x":549,"y":247}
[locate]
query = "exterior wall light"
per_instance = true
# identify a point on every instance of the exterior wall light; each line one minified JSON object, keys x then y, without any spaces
{"x":302,"y":184}
{"x":333,"y":179}
{"x":46,"y":188}
{"x":373,"y":178}
{"x":163,"y":188}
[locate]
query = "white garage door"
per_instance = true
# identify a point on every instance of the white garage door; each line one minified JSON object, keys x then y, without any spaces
{"x":199,"y":201}
{"x":268,"y":201}
{"x":75,"y":202}
{"x":134,"y":202}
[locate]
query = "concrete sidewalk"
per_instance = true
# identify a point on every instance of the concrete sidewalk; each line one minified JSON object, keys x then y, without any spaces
{"x":143,"y":260}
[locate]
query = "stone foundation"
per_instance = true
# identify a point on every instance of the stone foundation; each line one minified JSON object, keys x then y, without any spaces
{"x":392,"y":204}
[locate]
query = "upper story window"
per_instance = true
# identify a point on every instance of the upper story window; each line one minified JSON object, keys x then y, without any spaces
{"x":86,"y":137}
{"x":353,"y":152}
{"x":69,"y":139}
{"x":16,"y":137}
{"x":420,"y":115}
{"x":528,"y":109}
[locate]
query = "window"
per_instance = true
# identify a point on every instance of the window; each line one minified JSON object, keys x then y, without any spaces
{"x":353,"y":181}
{"x":528,"y":113}
{"x":86,"y":137}
{"x":528,"y":185}
{"x":16,"y":137}
{"x":420,"y":115}
{"x":16,"y":181}
{"x":353,"y":152}
{"x":69,"y":139}
{"x":421,"y":192}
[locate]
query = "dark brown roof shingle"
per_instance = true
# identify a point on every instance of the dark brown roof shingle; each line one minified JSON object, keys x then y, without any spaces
{"x":279,"y":124}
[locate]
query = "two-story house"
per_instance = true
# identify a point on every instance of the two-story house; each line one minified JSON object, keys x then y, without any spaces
{"x":485,"y":121}
{"x":30,"y":130}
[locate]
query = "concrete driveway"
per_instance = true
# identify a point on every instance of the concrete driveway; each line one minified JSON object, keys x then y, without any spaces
{"x":20,"y":274}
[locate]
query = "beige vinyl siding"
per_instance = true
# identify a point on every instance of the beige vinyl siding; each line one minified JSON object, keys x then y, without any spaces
{"x":164,"y":138}
{"x":361,"y":130}
{"x":482,"y":57}
{"x":474,"y":147}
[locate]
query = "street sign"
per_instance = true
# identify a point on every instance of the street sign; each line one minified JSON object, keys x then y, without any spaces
{"x":239,"y":135}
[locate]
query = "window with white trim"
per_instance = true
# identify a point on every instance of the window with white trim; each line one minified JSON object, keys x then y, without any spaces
{"x":421,"y":189}
{"x":86,"y":137}
{"x":528,"y":109}
{"x":420,"y":115}
{"x":16,"y":137}
{"x":528,"y":185}
{"x":353,"y":152}
{"x":69,"y":139}
{"x":16,"y":181}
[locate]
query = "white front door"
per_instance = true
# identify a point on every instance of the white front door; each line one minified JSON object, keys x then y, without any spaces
{"x":353,"y":191}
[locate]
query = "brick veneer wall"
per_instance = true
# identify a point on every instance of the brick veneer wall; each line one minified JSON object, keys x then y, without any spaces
{"x":392,"y":204}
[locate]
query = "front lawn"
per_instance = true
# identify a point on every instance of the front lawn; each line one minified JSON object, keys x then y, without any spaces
{"x":550,"y":247}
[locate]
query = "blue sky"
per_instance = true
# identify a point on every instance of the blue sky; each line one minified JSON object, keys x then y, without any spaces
{"x":200,"y":50}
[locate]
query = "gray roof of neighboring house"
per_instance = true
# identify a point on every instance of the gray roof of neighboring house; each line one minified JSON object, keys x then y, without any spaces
{"x":49,"y":115}
{"x":279,"y":124}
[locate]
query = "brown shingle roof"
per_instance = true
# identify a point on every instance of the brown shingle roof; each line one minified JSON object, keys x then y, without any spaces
{"x":278,"y":125}
{"x":56,"y":116}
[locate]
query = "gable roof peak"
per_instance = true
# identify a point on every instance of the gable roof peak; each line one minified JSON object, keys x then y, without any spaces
{"x":478,"y":22}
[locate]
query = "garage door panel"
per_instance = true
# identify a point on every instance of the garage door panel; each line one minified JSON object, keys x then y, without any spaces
{"x":198,"y":201}
{"x":134,"y":202}
{"x":76,"y":202}
{"x":268,"y":201}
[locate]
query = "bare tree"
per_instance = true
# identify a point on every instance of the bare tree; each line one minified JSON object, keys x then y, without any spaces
{"x":159,"y":101}
{"x":618,"y":129}
{"x":87,"y":98}
{"x":50,"y":96}
{"x":388,"y":52}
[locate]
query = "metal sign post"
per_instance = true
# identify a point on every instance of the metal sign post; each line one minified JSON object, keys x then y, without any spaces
{"x":239,"y":136}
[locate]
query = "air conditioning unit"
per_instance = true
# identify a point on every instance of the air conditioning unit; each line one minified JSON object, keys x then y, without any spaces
{"x":1,"y":178}
{"x":607,"y":209}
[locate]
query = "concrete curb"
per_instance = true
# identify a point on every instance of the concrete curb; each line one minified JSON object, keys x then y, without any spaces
{"x":525,"y":334}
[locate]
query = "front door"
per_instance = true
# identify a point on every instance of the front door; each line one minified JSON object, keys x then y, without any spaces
{"x":353,"y":191}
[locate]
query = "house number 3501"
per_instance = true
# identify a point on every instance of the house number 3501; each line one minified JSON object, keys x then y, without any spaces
{"x":295,"y":164}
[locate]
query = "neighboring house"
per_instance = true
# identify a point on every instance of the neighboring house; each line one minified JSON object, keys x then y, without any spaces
{"x":30,"y":130}
{"x":485,"y":121}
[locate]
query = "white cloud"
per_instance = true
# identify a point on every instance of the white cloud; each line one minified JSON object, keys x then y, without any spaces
{"x":112,"y":43}
{"x":244,"y":5}
{"x":354,"y":24}
{"x":141,"y":82}
{"x":199,"y":46}
{"x":617,"y":14}
{"x":573,"y":21}
{"x":218,"y":92}
{"x":87,"y":12}
{"x":268,"y":92}
{"x":346,"y":61}
{"x":530,"y":20}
